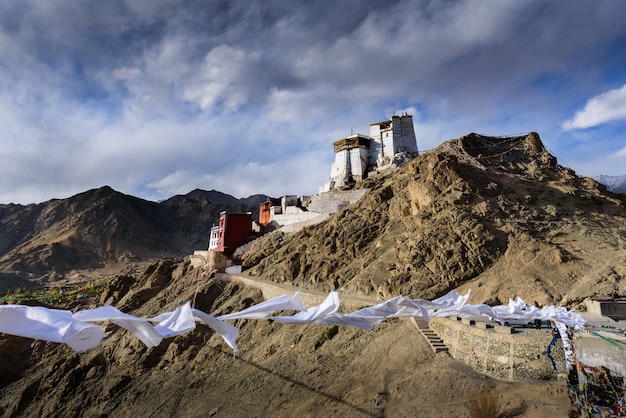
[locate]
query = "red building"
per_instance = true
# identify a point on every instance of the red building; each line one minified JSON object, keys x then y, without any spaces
{"x":234,"y":230}
{"x":265,"y":211}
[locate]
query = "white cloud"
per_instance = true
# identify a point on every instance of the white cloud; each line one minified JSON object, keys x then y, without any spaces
{"x":223,"y":79}
{"x":603,"y":108}
{"x":126,"y":74}
{"x":621,"y":153}
{"x":301,"y":175}
{"x":178,"y":182}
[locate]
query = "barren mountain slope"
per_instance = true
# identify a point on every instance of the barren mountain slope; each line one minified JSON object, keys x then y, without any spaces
{"x":101,"y":228}
{"x":495,"y":214}
{"x":216,"y":198}
{"x":280,"y":371}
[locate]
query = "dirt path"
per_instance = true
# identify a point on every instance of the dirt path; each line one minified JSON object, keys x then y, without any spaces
{"x":308,"y":297}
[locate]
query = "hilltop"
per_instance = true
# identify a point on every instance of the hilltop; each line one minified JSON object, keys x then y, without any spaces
{"x":494,"y":214}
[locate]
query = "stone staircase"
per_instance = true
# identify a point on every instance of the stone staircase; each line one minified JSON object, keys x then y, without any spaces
{"x":431,"y":336}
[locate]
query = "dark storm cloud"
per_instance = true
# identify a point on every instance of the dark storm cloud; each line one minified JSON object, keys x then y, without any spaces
{"x":430,"y":45}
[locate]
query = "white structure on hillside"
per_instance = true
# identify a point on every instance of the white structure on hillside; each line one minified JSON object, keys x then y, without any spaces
{"x":351,"y":158}
{"x":358,"y":154}
{"x":214,"y":237}
{"x":390,"y":138}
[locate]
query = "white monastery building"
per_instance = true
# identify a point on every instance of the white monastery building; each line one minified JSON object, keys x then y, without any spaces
{"x":390,"y":144}
{"x":358,"y":154}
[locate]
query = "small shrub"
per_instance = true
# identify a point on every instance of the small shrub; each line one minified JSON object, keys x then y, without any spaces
{"x":484,"y":403}
{"x":326,"y":336}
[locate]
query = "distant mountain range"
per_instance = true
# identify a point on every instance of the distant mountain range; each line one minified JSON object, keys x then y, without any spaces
{"x":216,"y":198}
{"x":615,"y":184}
{"x":103,"y":226}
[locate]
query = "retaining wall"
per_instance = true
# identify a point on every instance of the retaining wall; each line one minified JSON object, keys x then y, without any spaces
{"x":614,"y":309}
{"x":593,"y":351}
{"x":297,"y":226}
{"x":294,"y":216}
{"x":334,"y":200}
{"x":515,"y":356}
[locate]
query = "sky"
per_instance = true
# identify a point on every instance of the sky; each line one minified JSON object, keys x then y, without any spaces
{"x":159,"y":98}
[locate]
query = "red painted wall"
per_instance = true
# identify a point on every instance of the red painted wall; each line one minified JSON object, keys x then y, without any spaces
{"x":265,"y":212}
{"x":235,"y":228}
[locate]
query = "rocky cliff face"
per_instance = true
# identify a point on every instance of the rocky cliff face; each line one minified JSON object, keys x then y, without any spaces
{"x":495,"y":214}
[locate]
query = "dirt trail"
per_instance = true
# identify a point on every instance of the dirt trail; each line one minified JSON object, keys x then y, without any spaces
{"x":308,"y":297}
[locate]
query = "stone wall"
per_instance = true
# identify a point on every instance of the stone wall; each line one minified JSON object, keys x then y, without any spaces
{"x":349,"y":163}
{"x":593,"y":351}
{"x":293,"y":217}
{"x":614,"y":309}
{"x":358,"y":163}
{"x":308,"y":297}
{"x":199,"y":259}
{"x":288,"y":201}
{"x":334,"y":200}
{"x":390,"y":137}
{"x":508,"y":356}
{"x":216,"y":261}
{"x":297,"y":226}
{"x":376,"y":148}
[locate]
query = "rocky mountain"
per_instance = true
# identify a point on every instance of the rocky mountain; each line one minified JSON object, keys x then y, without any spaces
{"x":494,"y":214}
{"x":214,"y":197}
{"x":280,"y":370}
{"x":615,"y":184}
{"x":103,"y":228}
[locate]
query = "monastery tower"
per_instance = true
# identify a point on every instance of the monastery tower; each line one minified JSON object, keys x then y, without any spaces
{"x":391,"y":137}
{"x":358,"y":154}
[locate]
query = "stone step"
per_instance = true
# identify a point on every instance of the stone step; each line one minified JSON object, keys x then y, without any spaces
{"x":431,"y":336}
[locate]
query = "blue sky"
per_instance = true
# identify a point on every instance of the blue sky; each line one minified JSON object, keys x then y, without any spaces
{"x":159,"y":98}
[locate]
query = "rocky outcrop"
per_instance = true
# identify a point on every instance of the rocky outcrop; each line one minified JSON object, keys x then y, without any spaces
{"x":280,"y":370}
{"x":495,"y":214}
